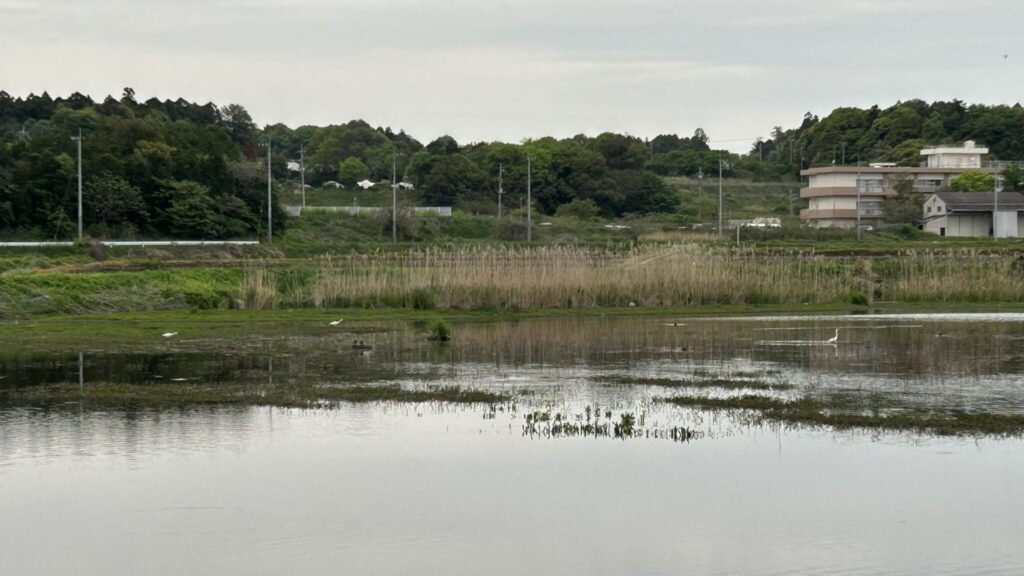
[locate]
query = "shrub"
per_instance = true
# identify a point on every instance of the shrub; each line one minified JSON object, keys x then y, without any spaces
{"x":857,"y":298}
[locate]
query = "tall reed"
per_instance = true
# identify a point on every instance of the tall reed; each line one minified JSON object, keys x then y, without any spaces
{"x":513,"y":277}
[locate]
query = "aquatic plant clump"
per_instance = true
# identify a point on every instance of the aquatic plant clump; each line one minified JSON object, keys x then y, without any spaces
{"x":163,"y":395}
{"x":594,"y":423}
{"x":848,"y":411}
{"x":709,"y":382}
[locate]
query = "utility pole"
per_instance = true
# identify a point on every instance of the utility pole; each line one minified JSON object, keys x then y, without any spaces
{"x":501,"y":170}
{"x":78,"y":140}
{"x":995,"y":205}
{"x":270,"y":211}
{"x":843,"y":145}
{"x":858,"y":196}
{"x":394,"y":196}
{"x":302,"y":173}
{"x":700,"y":192}
{"x":721,"y":221}
{"x":529,"y":199}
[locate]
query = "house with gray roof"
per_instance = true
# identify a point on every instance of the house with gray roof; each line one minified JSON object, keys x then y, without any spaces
{"x":971,"y":214}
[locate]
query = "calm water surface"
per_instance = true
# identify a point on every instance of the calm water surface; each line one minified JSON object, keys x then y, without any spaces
{"x":441,"y":489}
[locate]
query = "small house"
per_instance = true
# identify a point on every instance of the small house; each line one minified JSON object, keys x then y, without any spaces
{"x":975,"y":214}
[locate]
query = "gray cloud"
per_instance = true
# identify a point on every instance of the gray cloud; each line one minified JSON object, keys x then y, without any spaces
{"x":500,"y":69}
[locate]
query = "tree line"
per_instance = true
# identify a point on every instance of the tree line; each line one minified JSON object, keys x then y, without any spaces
{"x":180,"y":169}
{"x":173,"y":168}
{"x":894,"y":134}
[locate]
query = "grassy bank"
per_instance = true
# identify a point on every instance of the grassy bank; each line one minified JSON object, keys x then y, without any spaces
{"x":511,"y":278}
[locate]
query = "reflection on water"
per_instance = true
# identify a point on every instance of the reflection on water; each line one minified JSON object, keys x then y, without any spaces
{"x":579,"y":473}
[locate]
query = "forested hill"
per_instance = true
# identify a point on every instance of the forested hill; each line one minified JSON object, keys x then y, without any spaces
{"x":174,"y":168}
{"x":896,"y":134}
{"x":163,"y":168}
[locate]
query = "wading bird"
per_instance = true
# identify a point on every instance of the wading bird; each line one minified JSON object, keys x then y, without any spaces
{"x":169,"y":334}
{"x":336,"y":322}
{"x":833,"y":339}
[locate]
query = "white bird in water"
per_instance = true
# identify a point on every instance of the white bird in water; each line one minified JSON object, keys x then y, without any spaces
{"x":336,"y":322}
{"x":833,"y":339}
{"x":169,"y":334}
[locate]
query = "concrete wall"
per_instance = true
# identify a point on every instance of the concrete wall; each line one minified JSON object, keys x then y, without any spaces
{"x":974,"y":224}
{"x":1006,"y":224}
{"x":834,"y":223}
{"x":978,"y":224}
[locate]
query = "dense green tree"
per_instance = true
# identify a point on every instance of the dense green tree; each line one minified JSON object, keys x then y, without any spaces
{"x":452,"y":177}
{"x":1013,"y":179}
{"x":113,"y":201}
{"x":580,"y":209}
{"x":973,"y":181}
{"x":238,"y":122}
{"x":645,"y":193}
{"x":193,"y":212}
{"x":352,"y":170}
{"x":621,"y":152}
{"x":906,"y":206}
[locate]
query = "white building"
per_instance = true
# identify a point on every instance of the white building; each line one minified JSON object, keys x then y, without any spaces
{"x":970,"y":214}
{"x":832,"y":192}
{"x":966,"y":157}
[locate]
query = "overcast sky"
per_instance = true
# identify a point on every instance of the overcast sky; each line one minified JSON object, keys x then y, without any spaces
{"x":514,"y":69}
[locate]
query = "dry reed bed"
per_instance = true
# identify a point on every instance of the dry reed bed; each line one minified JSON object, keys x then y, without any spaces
{"x":549,"y":277}
{"x":512,"y":277}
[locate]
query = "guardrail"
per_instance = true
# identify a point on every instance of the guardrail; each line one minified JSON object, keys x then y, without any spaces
{"x":296,"y":211}
{"x":139,"y":243}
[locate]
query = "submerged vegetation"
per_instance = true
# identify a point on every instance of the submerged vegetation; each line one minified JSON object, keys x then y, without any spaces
{"x":164,"y":395}
{"x":850,"y":411}
{"x":720,"y":382}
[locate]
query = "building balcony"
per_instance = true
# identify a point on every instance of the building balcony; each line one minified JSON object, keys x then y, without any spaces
{"x":846,"y":191}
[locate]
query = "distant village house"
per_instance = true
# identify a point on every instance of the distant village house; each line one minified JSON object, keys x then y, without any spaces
{"x":975,"y":214}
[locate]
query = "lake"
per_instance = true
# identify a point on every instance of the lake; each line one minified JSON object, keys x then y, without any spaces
{"x":582,"y":468}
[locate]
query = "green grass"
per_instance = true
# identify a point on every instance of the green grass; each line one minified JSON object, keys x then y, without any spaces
{"x":742,"y":199}
{"x":25,"y":294}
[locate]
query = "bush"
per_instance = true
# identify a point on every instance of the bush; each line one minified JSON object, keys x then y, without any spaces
{"x":857,"y":298}
{"x":422,"y":299}
{"x":579,"y":209}
{"x":440,"y":331}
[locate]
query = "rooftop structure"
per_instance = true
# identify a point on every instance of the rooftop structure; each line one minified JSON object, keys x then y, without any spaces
{"x":963,"y":157}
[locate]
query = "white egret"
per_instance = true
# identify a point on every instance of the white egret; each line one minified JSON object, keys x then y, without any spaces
{"x":336,"y":322}
{"x":833,"y":339}
{"x":169,"y":334}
